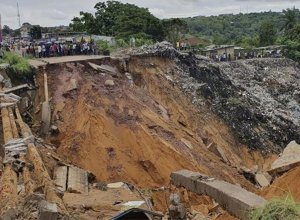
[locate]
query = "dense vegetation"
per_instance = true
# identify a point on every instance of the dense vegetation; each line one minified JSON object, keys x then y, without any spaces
{"x":124,"y":21}
{"x":230,"y":28}
{"x":253,"y":29}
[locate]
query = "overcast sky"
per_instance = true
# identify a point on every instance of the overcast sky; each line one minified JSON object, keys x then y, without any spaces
{"x":60,"y":12}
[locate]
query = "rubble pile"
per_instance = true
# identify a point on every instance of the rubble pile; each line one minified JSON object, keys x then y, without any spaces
{"x":267,"y":104}
{"x":161,"y":49}
{"x":258,"y":99}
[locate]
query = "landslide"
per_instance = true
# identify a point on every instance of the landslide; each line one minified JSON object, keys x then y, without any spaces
{"x":286,"y":184}
{"x":138,"y":133}
{"x":257,"y":98}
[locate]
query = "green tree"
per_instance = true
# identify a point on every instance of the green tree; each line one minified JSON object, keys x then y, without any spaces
{"x":16,"y":33}
{"x":35,"y":32}
{"x":267,"y":33}
{"x":249,"y":42}
{"x":219,"y":39}
{"x":232,"y":28}
{"x":121,"y":20}
{"x":137,"y":22}
{"x":292,"y":41}
{"x":6,"y":30}
{"x":77,"y":25}
{"x":175,"y":29}
{"x":290,"y":18}
{"x":291,"y":37}
{"x":85,"y":23}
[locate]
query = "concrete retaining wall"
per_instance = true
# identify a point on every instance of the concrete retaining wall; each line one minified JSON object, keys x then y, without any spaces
{"x":236,"y":200}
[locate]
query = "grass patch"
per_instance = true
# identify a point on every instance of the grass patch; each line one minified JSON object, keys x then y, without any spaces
{"x":19,"y":69}
{"x":17,"y":63}
{"x":277,"y":209}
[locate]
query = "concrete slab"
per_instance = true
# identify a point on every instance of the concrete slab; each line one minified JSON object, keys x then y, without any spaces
{"x":217,"y":150}
{"x":67,"y":59}
{"x":289,"y":159}
{"x":233,"y":198}
{"x":72,"y":85}
{"x":94,"y":66}
{"x":117,"y":185}
{"x":109,"y":70}
{"x":48,"y":211}
{"x":77,"y":180}
{"x":262,"y":179}
{"x":60,"y":177}
{"x":37,"y":63}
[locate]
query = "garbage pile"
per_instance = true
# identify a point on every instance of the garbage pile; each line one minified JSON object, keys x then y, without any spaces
{"x":161,"y":49}
{"x":258,"y":98}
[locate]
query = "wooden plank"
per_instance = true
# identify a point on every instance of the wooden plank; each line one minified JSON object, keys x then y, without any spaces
{"x":16,"y":88}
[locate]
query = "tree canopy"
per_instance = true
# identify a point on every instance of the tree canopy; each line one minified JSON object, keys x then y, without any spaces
{"x":6,"y":30}
{"x":35,"y":32}
{"x":239,"y":28}
{"x":267,"y":33}
{"x":121,"y":20}
{"x":175,"y":29}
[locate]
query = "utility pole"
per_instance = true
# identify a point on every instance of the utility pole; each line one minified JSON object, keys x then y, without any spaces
{"x":19,"y":17}
{"x":19,"y":20}
{"x":1,"y":38}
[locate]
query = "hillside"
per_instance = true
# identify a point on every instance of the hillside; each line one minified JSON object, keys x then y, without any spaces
{"x":230,"y":28}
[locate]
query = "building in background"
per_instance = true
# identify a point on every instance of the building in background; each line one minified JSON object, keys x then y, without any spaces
{"x":218,"y":51}
{"x":25,"y":29}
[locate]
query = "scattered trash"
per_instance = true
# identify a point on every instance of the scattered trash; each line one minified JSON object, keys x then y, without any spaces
{"x":133,"y":203}
{"x":109,"y":82}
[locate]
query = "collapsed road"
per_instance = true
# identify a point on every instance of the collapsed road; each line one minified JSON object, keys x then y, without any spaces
{"x":93,"y":137}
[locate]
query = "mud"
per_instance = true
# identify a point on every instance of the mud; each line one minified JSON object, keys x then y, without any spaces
{"x":287,"y":184}
{"x":135,"y":133}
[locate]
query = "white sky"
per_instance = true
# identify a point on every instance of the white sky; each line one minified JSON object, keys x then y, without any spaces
{"x":60,"y":12}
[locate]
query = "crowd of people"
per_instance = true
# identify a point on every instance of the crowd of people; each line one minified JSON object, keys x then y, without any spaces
{"x":182,"y":45}
{"x":52,"y":49}
{"x":58,"y":49}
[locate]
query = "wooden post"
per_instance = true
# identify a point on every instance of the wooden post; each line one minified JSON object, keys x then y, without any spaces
{"x":7,"y":130}
{"x":8,"y":195}
{"x":24,"y":130}
{"x":28,"y":182}
{"x":46,"y":86}
{"x":13,"y":123}
{"x":44,"y":179}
